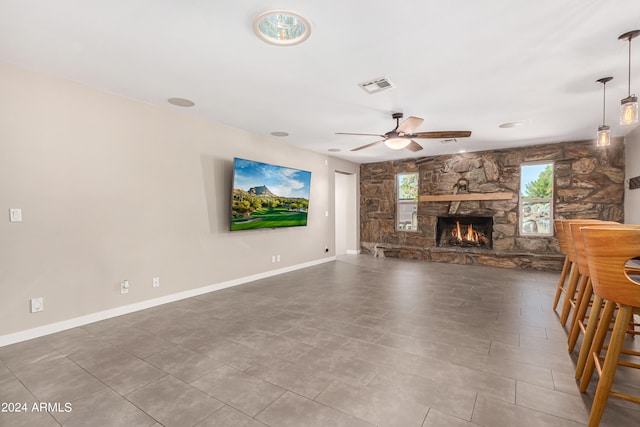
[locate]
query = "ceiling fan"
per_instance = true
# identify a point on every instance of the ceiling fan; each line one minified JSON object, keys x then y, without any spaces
{"x":403,"y":135}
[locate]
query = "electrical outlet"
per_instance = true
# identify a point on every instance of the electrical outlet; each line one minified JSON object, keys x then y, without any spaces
{"x":156,"y":282}
{"x":37,"y":304}
{"x":124,"y":287}
{"x":273,"y":259}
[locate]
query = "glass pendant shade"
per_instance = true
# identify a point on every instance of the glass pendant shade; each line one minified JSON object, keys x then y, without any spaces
{"x":604,"y":136}
{"x":629,"y":111}
{"x":397,"y":143}
{"x":604,"y":132}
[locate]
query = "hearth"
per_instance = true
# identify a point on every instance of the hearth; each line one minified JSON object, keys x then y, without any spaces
{"x":465,"y":231}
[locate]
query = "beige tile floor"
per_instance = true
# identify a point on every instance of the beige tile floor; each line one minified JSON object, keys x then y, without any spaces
{"x":356,"y":342}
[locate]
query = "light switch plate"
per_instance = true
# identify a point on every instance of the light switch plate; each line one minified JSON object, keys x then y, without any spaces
{"x":15,"y":215}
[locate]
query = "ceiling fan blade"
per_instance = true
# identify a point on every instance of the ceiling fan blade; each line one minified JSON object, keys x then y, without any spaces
{"x":363,"y":134}
{"x":410,"y":124}
{"x":414,"y":146}
{"x":443,"y":134}
{"x":362,"y":147}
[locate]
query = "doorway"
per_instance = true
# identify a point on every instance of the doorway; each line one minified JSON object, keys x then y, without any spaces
{"x":346,"y":213}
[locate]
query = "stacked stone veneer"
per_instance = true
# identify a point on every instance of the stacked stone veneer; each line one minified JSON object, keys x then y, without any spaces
{"x":589,"y":183}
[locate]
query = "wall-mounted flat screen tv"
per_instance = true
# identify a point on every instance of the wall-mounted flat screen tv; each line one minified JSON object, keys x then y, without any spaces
{"x":268,"y":196}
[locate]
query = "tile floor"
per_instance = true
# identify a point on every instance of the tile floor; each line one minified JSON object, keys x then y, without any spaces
{"x":356,"y":342}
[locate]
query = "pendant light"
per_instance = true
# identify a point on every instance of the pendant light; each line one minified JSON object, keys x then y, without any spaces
{"x":604,"y":132}
{"x":629,"y":105}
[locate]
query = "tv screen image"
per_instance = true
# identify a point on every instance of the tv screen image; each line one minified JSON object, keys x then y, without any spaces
{"x":268,"y":196}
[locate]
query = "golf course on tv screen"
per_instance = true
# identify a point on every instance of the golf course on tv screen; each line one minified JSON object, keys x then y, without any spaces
{"x":268,"y":196}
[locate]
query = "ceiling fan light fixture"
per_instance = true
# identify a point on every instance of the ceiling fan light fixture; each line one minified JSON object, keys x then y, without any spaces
{"x":397,"y":142}
{"x":629,"y":105}
{"x":281,"y":27}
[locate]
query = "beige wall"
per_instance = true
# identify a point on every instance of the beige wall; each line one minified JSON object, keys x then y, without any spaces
{"x":632,"y":197}
{"x":113,"y":189}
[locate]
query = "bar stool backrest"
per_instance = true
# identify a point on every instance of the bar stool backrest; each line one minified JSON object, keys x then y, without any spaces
{"x":608,"y":250}
{"x":568,"y":237}
{"x":562,"y":242}
{"x":578,"y":242}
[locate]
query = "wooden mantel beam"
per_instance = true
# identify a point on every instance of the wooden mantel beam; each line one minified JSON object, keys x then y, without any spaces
{"x":505,"y":195}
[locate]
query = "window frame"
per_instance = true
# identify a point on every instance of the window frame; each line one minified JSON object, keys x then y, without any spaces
{"x":406,"y":202}
{"x":523,"y":200}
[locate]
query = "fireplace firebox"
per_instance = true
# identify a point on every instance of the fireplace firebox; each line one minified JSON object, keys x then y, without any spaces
{"x":465,"y":231}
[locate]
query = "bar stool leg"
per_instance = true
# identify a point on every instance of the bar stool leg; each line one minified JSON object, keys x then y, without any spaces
{"x":563,"y":277}
{"x":610,"y":365}
{"x":596,"y":345}
{"x":584,"y":296}
{"x":592,"y":325}
{"x":574,"y":275}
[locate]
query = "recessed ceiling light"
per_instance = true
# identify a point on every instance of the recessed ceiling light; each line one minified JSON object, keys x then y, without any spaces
{"x":510,"y":125}
{"x":462,"y":151}
{"x":281,"y":27}
{"x":278,"y":133}
{"x":334,"y":150}
{"x":181,"y":102}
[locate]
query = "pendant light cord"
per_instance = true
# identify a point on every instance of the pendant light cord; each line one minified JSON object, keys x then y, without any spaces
{"x":604,"y":96}
{"x":629,"y":74}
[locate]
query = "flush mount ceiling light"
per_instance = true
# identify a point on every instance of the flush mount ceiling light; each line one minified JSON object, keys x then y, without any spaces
{"x":280,"y":133}
{"x":629,"y":105}
{"x":604,"y":132}
{"x":281,"y":27}
{"x":181,"y":102}
{"x":510,"y":125}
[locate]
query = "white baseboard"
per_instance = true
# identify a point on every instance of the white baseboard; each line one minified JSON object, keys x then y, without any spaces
{"x":142,"y":305}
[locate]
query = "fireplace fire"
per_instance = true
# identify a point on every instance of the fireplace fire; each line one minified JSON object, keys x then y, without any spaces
{"x":468,"y":237}
{"x":465,"y":232}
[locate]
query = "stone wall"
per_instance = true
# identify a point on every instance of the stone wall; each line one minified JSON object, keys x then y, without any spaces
{"x":588,"y":183}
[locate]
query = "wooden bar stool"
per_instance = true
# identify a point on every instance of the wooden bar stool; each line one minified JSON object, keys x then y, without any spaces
{"x":588,"y":299}
{"x":584,"y":287}
{"x":574,"y":274}
{"x":608,"y":250}
{"x":567,"y":263}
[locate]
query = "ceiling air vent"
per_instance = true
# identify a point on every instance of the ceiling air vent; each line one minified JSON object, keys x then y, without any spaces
{"x":377,"y":85}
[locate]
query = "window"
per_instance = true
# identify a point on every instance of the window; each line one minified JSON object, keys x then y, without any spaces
{"x":536,"y":199}
{"x":407,"y":203}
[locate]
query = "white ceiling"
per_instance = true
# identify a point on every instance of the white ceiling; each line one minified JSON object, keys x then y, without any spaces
{"x":460,"y":65}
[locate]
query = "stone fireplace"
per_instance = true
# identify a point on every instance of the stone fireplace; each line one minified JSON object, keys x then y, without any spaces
{"x":464,"y":231}
{"x":588,"y":184}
